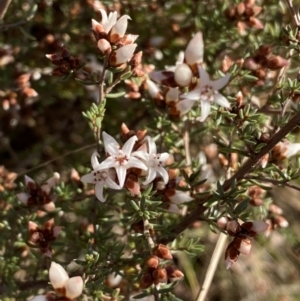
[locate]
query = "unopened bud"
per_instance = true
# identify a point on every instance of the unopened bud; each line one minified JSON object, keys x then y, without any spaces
{"x":160,"y":275}
{"x":233,"y":228}
{"x":152,"y":262}
{"x":162,"y":251}
{"x":275,"y":62}
{"x":281,"y":221}
{"x":104,"y":46}
{"x":275,"y":209}
{"x":183,"y":75}
{"x":146,"y":281}
{"x":222,"y":222}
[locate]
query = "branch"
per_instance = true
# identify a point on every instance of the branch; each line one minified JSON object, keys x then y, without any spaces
{"x":275,"y":182}
{"x":289,"y":4}
{"x":238,"y":176}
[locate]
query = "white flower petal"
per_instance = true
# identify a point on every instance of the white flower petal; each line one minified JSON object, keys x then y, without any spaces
{"x":112,"y":184}
{"x":221,"y":100}
{"x":57,"y":275}
{"x":173,"y":209}
{"x":141,"y":154}
{"x":291,"y":149}
{"x":120,"y":27}
{"x":172,"y":95}
{"x":152,"y":88}
{"x":88,"y":178}
{"x":204,"y":77}
{"x":185,"y":106}
{"x":110,"y":144}
{"x":163,"y":173}
{"x":205,"y":110}
{"x":94,"y":160}
{"x":134,"y":162}
{"x":121,"y":173}
{"x":23,"y":197}
{"x":151,"y":176}
{"x":28,"y":180}
{"x":180,"y":197}
{"x":128,"y":146}
{"x":74,"y":287}
{"x":221,"y":82}
{"x":107,"y":163}
{"x":151,"y":145}
{"x":194,"y":94}
{"x":99,"y":191}
{"x":183,"y":75}
{"x":164,"y":157}
{"x":123,"y":54}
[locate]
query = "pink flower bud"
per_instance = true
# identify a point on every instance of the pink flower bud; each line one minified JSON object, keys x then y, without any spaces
{"x":57,"y":275}
{"x":104,"y":46}
{"x":222,"y":222}
{"x":73,"y":287}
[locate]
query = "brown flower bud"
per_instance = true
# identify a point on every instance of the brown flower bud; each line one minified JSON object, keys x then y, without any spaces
{"x":231,"y":255}
{"x":152,"y":262}
{"x":160,"y":275}
{"x":163,"y":252}
{"x":173,"y":273}
{"x":146,"y":281}
{"x":250,"y":63}
{"x":243,"y":245}
{"x":275,"y":62}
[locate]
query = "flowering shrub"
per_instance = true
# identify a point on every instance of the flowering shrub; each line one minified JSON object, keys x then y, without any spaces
{"x":182,"y":156}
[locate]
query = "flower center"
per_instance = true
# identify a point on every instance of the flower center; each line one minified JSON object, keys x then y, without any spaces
{"x":100,"y":176}
{"x":208,"y":92}
{"x":121,"y":159}
{"x":155,"y":161}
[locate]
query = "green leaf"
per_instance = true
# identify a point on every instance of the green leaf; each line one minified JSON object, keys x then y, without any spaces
{"x":115,"y":95}
{"x":242,"y":206}
{"x":85,"y":82}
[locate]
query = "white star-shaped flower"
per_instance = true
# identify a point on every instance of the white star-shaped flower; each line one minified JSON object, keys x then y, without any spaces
{"x":154,"y":161}
{"x":100,"y":178}
{"x":120,"y":159}
{"x":206,"y":91}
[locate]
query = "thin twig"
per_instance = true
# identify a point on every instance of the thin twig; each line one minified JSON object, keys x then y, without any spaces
{"x":3,"y":7}
{"x":55,"y":159}
{"x":4,"y":27}
{"x":275,"y":182}
{"x":212,"y":267}
{"x":290,"y":5}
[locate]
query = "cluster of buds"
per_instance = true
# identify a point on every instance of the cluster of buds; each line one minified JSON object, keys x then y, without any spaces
{"x":242,"y":237}
{"x":114,"y":43}
{"x":39,"y":196}
{"x":263,"y":59}
{"x":157,"y":271}
{"x":65,"y":62}
{"x":275,"y":219}
{"x":66,"y":289}
{"x":16,"y":102}
{"x":42,"y":237}
{"x":245,"y":15}
{"x":188,"y":74}
{"x":7,"y":179}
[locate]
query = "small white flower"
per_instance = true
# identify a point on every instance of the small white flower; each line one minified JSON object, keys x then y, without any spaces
{"x":207,"y":92}
{"x":154,"y":161}
{"x":122,"y":55}
{"x":120,"y":159}
{"x":119,"y":29}
{"x":100,"y":178}
{"x":107,"y":22}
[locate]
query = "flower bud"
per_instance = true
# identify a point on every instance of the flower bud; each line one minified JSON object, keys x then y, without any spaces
{"x":275,"y":209}
{"x":58,"y":276}
{"x":160,"y":275}
{"x":194,"y":51}
{"x":243,"y":245}
{"x":254,"y":227}
{"x":183,"y":75}
{"x":163,"y":252}
{"x":231,"y":255}
{"x":222,"y":222}
{"x":152,"y":262}
{"x":281,"y":221}
{"x":275,"y":62}
{"x":146,"y":281}
{"x":240,"y":8}
{"x":122,"y":55}
{"x":104,"y":46}
{"x":233,"y":228}
{"x":73,"y":287}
